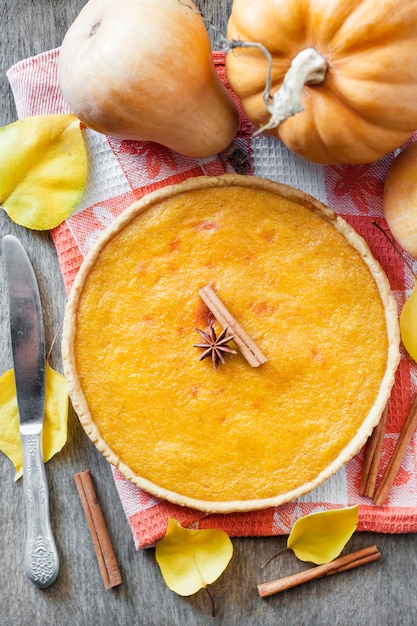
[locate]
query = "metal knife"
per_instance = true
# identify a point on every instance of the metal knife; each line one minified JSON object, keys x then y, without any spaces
{"x":41,"y":562}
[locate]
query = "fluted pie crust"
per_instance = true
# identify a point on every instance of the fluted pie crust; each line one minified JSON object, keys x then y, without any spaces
{"x":302,"y":283}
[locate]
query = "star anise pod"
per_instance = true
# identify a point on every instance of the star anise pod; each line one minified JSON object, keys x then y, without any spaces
{"x":215,"y":346}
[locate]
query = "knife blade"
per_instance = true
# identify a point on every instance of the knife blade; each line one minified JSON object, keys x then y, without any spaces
{"x":41,"y":561}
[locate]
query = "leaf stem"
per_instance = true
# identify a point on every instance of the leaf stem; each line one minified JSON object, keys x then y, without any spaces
{"x":271,"y":558}
{"x":396,"y":248}
{"x":210,"y":595}
{"x":205,"y":586}
{"x":54,"y":340}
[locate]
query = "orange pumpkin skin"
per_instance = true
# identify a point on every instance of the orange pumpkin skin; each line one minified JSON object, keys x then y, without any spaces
{"x":400,"y":199}
{"x":143,"y":70}
{"x":366,"y":105}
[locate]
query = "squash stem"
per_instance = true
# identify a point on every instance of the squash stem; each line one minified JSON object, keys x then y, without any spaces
{"x":227,"y":46}
{"x":307,"y":68}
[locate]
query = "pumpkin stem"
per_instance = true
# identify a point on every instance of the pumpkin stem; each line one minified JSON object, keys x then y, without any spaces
{"x":228,"y":45}
{"x":307,"y":68}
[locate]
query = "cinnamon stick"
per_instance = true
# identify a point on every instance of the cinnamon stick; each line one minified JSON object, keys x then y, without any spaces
{"x":342,"y":564}
{"x":372,"y":457}
{"x":397,"y":457}
{"x":244,"y":342}
{"x":103,"y":548}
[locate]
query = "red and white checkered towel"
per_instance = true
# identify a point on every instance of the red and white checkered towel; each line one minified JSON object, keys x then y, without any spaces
{"x":120,"y":173}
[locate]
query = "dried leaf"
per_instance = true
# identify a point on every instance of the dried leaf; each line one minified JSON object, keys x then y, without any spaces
{"x":192,"y":559}
{"x":43,"y":164}
{"x":54,"y":434}
{"x":320,"y":537}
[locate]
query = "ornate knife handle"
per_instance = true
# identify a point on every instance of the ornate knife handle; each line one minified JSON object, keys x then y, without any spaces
{"x":41,"y":562}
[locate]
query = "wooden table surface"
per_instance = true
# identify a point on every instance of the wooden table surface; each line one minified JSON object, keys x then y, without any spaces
{"x":381,"y":593}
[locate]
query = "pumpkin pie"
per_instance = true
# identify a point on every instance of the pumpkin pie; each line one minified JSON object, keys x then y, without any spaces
{"x":300,"y":282}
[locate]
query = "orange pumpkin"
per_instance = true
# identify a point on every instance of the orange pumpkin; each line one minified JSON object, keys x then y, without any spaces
{"x":357,"y":82}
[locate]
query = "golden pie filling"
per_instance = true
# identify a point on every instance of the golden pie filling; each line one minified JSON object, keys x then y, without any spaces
{"x":300,"y":282}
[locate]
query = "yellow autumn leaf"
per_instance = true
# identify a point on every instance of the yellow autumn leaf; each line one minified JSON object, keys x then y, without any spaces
{"x":43,"y":164}
{"x":54,"y":433}
{"x":320,"y":537}
{"x":192,"y":559}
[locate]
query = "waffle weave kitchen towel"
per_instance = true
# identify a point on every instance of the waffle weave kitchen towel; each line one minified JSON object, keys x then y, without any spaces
{"x":120,"y":172}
